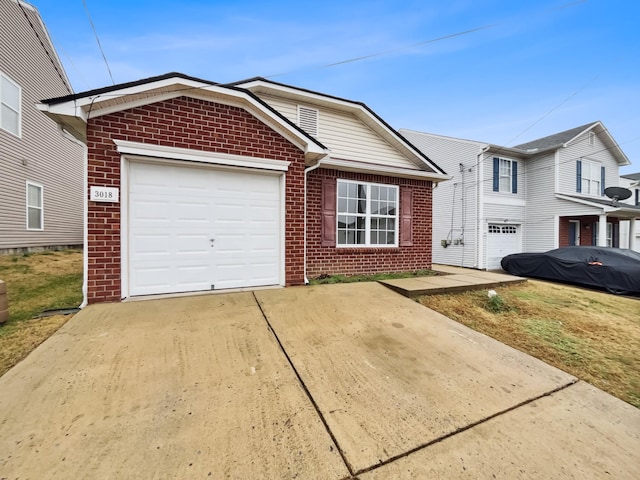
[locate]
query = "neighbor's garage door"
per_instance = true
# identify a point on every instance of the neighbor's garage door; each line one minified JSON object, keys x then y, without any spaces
{"x":202,"y":229}
{"x":502,"y":240}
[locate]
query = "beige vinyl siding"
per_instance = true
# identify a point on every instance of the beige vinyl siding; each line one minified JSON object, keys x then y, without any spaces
{"x":454,"y":207}
{"x":40,"y":155}
{"x":345,"y":135}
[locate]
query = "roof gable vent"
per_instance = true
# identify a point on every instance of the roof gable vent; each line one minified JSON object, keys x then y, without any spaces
{"x":308,"y":120}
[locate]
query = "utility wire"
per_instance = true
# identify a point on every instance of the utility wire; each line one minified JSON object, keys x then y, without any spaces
{"x":104,"y":57}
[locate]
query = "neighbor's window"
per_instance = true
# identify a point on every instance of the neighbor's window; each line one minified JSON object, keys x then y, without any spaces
{"x":591,"y":176}
{"x":505,"y":175}
{"x":34,"y":207}
{"x":367,"y":214}
{"x":9,"y":105}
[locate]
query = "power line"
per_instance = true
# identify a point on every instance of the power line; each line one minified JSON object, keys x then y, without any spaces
{"x":104,"y":57}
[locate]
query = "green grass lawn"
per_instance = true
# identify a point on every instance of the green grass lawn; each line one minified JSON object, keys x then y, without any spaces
{"x":36,"y":283}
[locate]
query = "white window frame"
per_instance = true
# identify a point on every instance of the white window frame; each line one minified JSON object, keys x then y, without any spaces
{"x":38,"y":207}
{"x":368,"y":216}
{"x":3,"y":105}
{"x":590,"y":183}
{"x":592,"y":138}
{"x":505,"y":176}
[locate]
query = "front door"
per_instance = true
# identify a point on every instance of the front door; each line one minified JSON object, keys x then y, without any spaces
{"x":574,"y":232}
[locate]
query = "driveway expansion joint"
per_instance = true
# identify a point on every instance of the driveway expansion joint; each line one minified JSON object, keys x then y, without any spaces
{"x":306,"y":390}
{"x":465,"y":428}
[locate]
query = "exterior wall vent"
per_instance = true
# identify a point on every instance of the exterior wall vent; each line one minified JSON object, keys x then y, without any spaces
{"x":308,"y":120}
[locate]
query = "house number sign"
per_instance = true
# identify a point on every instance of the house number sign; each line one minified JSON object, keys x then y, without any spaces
{"x":105,"y":194}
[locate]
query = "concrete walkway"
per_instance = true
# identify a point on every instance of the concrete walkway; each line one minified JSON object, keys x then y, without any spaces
{"x":452,"y":280}
{"x":331,"y":382}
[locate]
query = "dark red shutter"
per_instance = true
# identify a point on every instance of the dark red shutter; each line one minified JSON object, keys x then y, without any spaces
{"x":328,"y":228}
{"x":406,"y":217}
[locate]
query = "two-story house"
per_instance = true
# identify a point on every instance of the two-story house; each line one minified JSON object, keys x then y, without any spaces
{"x":631,"y":182}
{"x":40,"y":170}
{"x":533,"y":197}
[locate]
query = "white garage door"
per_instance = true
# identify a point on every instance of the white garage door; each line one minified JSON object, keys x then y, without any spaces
{"x":201,"y":229}
{"x":502,"y":240}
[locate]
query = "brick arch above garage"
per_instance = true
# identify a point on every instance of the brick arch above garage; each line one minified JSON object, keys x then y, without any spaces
{"x":181,"y":122}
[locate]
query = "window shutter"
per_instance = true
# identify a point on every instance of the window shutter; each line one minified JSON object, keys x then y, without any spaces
{"x":496,"y":174}
{"x":328,"y":227}
{"x":579,"y":176}
{"x":406,"y":217}
{"x":601,"y":180}
{"x":514,"y":177}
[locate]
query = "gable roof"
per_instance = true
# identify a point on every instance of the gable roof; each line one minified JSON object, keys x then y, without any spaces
{"x":563,"y":139}
{"x":361,"y":110}
{"x":557,"y":139}
{"x":73,"y":111}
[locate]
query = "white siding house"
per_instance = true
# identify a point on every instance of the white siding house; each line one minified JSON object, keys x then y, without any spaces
{"x":632,"y":183}
{"x":41,"y":176}
{"x":533,"y":197}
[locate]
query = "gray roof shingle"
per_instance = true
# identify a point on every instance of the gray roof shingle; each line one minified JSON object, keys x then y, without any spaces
{"x":554,"y":140}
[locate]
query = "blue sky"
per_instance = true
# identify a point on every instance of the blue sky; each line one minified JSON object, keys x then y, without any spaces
{"x":528,"y":68}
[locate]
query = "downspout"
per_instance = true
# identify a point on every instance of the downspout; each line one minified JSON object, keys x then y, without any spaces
{"x":304,"y":250}
{"x":85,"y":212}
{"x":479,"y":206}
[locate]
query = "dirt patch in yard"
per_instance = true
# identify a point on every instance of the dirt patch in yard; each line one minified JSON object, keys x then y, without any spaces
{"x":592,"y":335}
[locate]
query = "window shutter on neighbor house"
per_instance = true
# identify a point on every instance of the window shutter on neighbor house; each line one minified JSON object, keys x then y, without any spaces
{"x":406,"y":217}
{"x":578,"y":176}
{"x":496,"y":174}
{"x":328,"y":227}
{"x":514,"y":177}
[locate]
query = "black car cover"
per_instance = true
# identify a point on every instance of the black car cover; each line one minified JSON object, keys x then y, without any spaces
{"x":614,"y":269}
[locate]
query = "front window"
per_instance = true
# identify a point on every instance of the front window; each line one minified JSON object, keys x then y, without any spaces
{"x":34,"y":207}
{"x":367,"y":214}
{"x":9,"y":105}
{"x":591,"y":178}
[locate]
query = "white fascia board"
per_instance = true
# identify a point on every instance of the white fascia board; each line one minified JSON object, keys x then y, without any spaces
{"x":388,"y":171}
{"x":355,"y":108}
{"x":580,"y":201}
{"x":145,"y":150}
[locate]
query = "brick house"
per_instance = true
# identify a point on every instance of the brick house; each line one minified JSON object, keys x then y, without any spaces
{"x":192,"y":185}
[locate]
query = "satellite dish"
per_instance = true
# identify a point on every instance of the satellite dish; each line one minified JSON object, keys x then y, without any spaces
{"x":617,"y":193}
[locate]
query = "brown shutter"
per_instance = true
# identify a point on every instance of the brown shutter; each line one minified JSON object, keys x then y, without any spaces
{"x":406,"y":217}
{"x":328,"y":212}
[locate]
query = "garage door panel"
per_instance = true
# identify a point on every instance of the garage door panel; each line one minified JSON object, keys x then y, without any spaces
{"x":502,"y":240}
{"x":175,"y":212}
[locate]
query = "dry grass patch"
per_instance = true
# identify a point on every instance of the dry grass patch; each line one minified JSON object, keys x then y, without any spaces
{"x":35,"y":283}
{"x":592,"y":335}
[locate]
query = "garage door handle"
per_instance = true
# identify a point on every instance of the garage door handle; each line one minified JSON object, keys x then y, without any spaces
{"x":212,"y":240}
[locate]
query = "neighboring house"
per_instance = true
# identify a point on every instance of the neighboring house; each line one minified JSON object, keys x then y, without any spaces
{"x":40,"y":170}
{"x":199,"y":186}
{"x":534,"y":197}
{"x":632,"y":183}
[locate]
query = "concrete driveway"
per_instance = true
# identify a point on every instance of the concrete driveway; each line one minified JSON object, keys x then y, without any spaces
{"x":325,"y":382}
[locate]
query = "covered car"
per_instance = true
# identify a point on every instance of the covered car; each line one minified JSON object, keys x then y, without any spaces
{"x":613,"y":269}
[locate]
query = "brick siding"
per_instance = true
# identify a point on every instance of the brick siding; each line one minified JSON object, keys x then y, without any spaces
{"x":587,"y":224}
{"x":185,"y":123}
{"x":351,"y":261}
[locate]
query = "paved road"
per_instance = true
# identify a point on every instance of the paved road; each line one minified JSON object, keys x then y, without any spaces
{"x":325,"y":382}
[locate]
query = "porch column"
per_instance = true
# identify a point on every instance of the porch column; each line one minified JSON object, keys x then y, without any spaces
{"x":602,"y":231}
{"x":633,"y":231}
